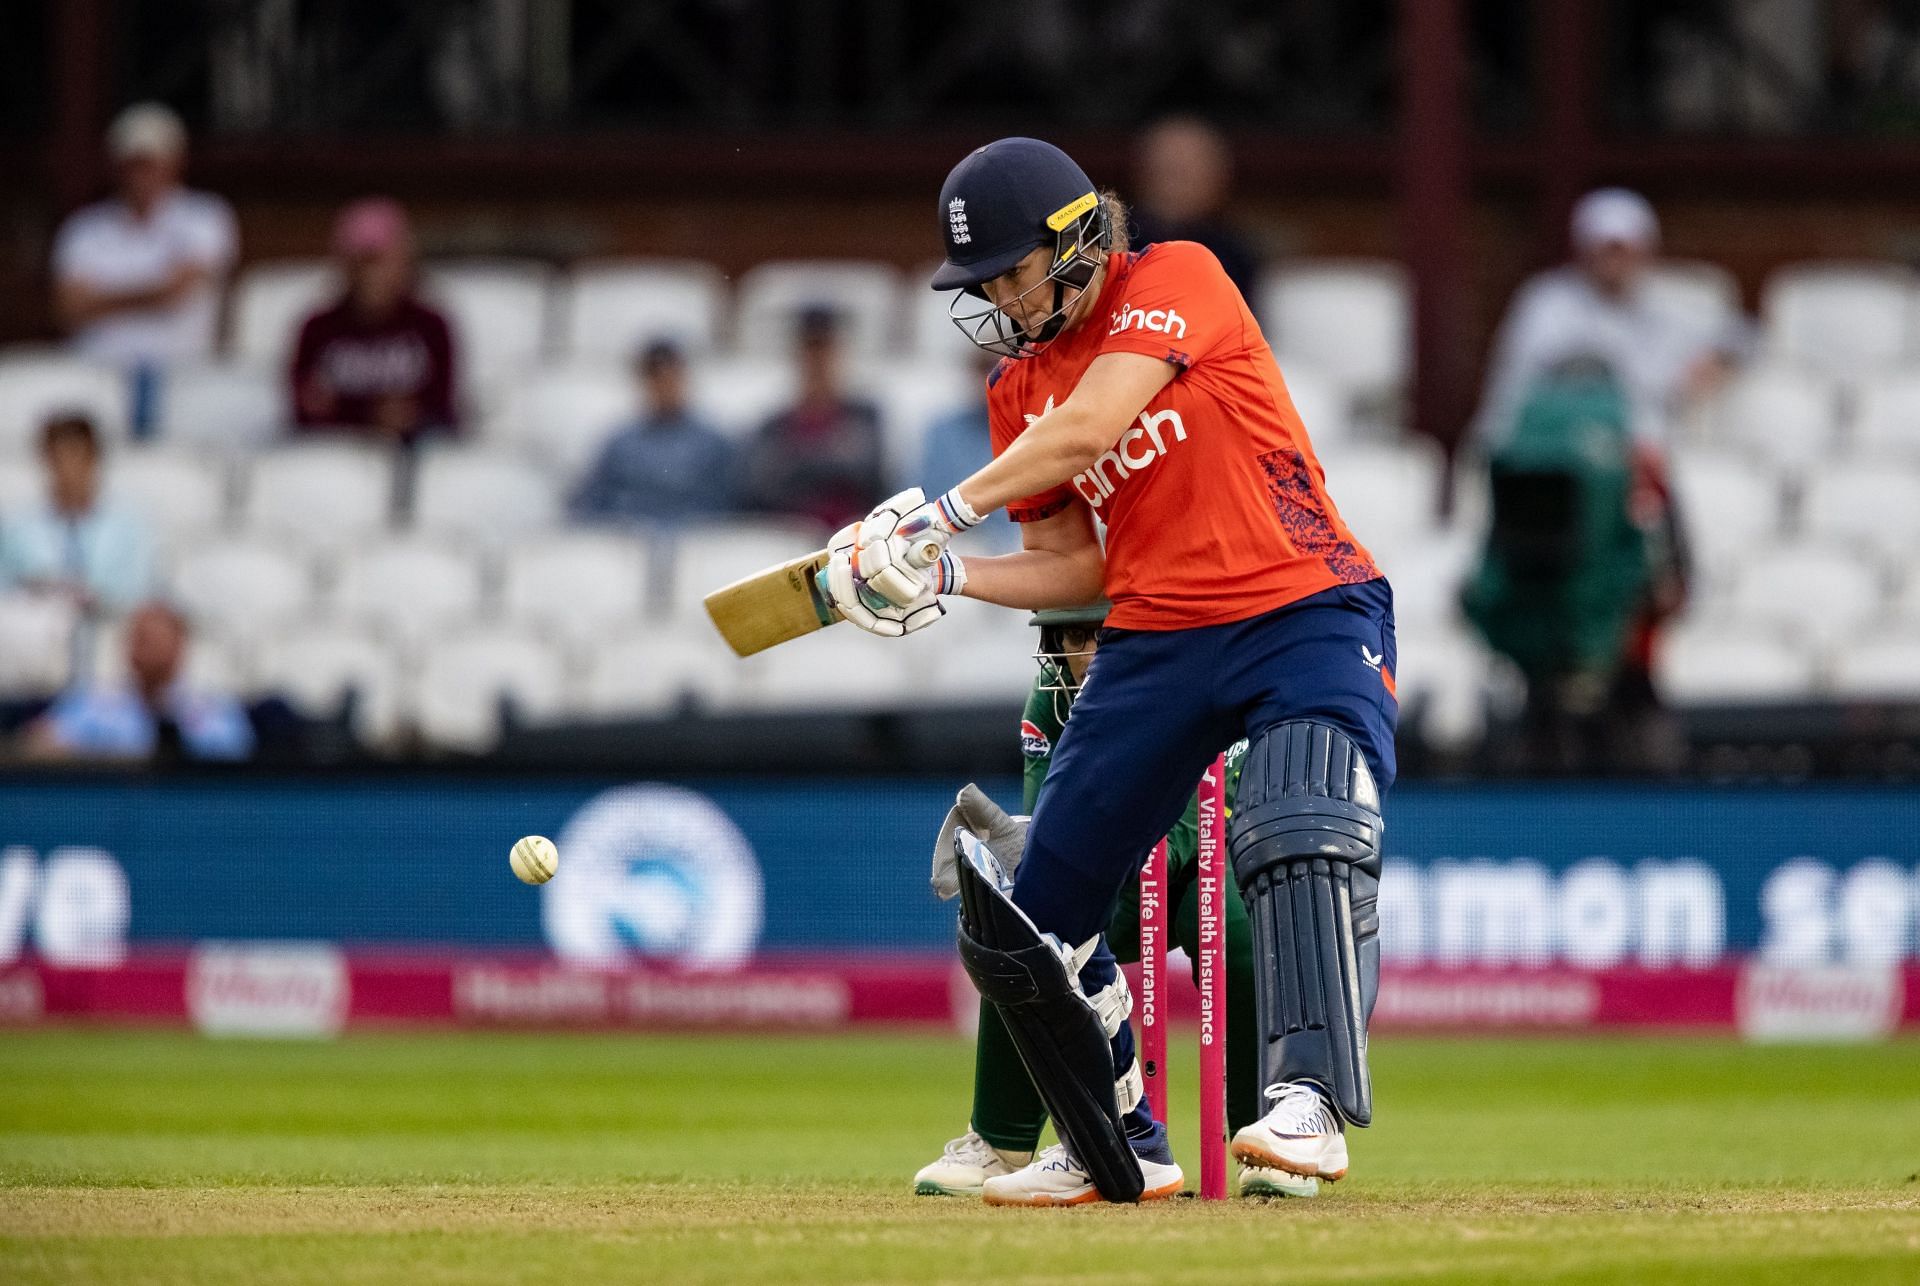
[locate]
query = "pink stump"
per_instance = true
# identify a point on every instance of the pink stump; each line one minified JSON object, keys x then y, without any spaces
{"x":1153,"y":995}
{"x":1213,"y":892}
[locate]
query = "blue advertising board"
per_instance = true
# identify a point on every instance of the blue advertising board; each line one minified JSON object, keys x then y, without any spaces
{"x":713,"y":872}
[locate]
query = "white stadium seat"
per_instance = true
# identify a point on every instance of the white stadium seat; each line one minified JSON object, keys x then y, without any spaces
{"x":1428,"y":570}
{"x":708,"y":556}
{"x":180,"y":494}
{"x":564,"y":414}
{"x":1351,"y":319}
{"x":223,"y":406}
{"x":579,"y":585}
{"x":1818,"y":592}
{"x":1872,"y":502}
{"x":457,"y":702}
{"x":1703,"y":296}
{"x":23,"y":482}
{"x":1717,"y":663}
{"x":323,"y":494}
{"x":1886,"y":416}
{"x":650,"y":673}
{"x":867,"y":297}
{"x":497,"y":309}
{"x":1324,"y":408}
{"x":315,"y":667}
{"x":610,"y":308}
{"x":1728,"y":504}
{"x":1445,"y":681}
{"x":36,"y":643}
{"x":833,"y":671}
{"x":243,"y":587}
{"x":483,"y":494}
{"x":411,"y":587}
{"x":986,"y":661}
{"x":1778,"y":413}
{"x":738,"y":393}
{"x":38,"y":383}
{"x":1878,"y":667}
{"x":911,"y":396}
{"x":1387,"y":494}
{"x":1841,"y":319}
{"x":270,"y":301}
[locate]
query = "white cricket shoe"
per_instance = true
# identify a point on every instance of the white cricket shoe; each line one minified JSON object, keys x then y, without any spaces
{"x":1302,"y":1135}
{"x":1259,"y":1181}
{"x":1056,"y":1179}
{"x":965,"y":1164}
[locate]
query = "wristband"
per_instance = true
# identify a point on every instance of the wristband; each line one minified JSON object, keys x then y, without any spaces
{"x":949,"y":575}
{"x":956,"y":513}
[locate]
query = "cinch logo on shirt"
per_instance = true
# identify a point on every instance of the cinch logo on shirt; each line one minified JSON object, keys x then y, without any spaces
{"x":1122,"y":460}
{"x":1164,"y":320}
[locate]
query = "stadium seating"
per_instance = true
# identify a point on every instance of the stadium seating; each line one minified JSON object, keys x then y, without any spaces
{"x":243,"y":586}
{"x":646,"y":672}
{"x":1704,"y":296}
{"x":1840,"y":319}
{"x":37,"y":383}
{"x":578,"y":586}
{"x":324,"y":494}
{"x":1822,"y":593}
{"x":181,"y":495}
{"x":316,"y":667}
{"x":1883,"y":666}
{"x":1350,"y":319}
{"x":707,"y":557}
{"x":23,"y":482}
{"x":498,"y":311}
{"x":609,"y":308}
{"x":867,"y":296}
{"x":1780,"y":414}
{"x":36,"y":643}
{"x":562,"y":414}
{"x":1445,"y":682}
{"x":844,"y":672}
{"x":469,"y":681}
{"x":487,"y":495}
{"x":269,"y":301}
{"x":222,"y":406}
{"x":1728,"y":504}
{"x":933,"y":336}
{"x":1388,"y":494}
{"x":1872,"y":503}
{"x":1886,"y":416}
{"x":214,"y":662}
{"x":737,"y":394}
{"x":414,"y":588}
{"x":1716,"y":663}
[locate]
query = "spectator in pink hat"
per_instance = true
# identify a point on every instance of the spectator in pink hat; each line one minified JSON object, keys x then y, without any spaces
{"x":378,"y":360}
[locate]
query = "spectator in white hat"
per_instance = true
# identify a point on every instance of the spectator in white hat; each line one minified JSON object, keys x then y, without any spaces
{"x":137,"y":276}
{"x":1597,"y":308}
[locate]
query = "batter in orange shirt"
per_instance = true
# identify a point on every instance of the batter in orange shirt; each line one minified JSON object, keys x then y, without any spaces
{"x":1215,"y":507}
{"x":1139,"y":392}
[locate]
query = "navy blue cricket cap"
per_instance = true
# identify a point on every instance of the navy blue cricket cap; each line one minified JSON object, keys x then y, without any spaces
{"x":1003,"y":200}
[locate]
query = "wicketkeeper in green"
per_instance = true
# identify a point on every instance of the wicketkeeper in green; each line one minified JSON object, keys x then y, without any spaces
{"x":1007,"y":1112}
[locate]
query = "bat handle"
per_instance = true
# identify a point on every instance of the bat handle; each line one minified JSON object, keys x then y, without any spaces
{"x":925,"y":554}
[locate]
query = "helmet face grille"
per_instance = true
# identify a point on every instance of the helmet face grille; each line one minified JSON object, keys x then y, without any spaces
{"x":1080,"y":249}
{"x":1059,"y":646}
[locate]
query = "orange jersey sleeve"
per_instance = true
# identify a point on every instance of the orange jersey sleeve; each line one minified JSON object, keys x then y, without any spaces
{"x":1177,"y":305}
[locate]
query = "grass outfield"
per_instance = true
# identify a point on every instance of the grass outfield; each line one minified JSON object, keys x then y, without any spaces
{"x":584,"y":1159}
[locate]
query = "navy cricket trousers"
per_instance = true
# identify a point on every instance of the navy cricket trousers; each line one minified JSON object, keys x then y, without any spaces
{"x":1157,"y":706}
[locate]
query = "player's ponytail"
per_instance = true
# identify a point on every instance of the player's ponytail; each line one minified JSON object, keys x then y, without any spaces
{"x":1116,"y":212}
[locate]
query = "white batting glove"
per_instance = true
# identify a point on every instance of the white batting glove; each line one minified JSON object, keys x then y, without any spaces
{"x":902,"y":549}
{"x":864,"y":606}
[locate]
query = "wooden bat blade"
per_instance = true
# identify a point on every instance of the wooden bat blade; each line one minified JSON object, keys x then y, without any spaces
{"x":770,"y":607}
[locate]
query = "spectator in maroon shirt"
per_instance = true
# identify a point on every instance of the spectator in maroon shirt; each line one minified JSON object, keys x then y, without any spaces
{"x":378,"y":360}
{"x":820,"y":456}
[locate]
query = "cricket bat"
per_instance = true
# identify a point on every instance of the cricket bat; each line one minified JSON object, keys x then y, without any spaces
{"x":782,"y":603}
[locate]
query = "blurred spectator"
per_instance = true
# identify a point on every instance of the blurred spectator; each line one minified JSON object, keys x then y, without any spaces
{"x":137,"y":277}
{"x":76,"y":543}
{"x":668,"y":464}
{"x":378,"y":359}
{"x":957,"y":447}
{"x":1184,"y":173}
{"x":821,"y":457}
{"x":153,"y":716}
{"x":1597,"y":308}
